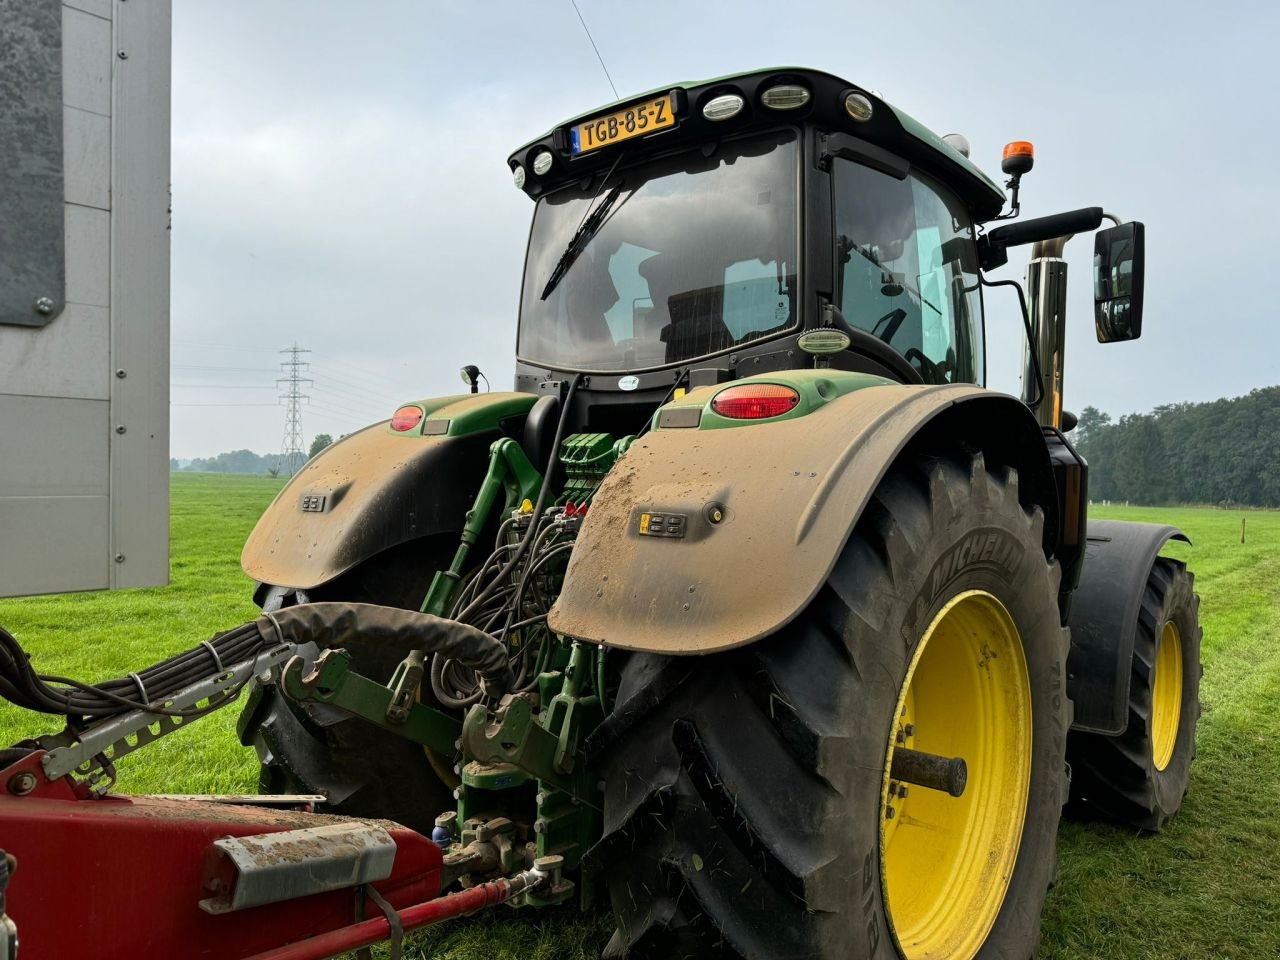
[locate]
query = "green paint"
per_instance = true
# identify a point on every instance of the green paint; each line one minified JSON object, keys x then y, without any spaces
{"x":587,"y":457}
{"x":511,"y":476}
{"x":914,"y":128}
{"x":514,"y":735}
{"x":493,"y":776}
{"x":817,"y":388}
{"x":340,"y":686}
{"x":547,"y":746}
{"x":467,"y":413}
{"x":427,"y":407}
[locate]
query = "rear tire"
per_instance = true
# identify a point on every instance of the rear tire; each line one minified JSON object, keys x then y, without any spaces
{"x":745,"y":792}
{"x":1141,"y":777}
{"x":364,"y":770}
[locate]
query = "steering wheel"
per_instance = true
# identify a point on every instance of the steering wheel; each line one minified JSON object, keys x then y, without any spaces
{"x":931,"y":372}
{"x":891,"y":321}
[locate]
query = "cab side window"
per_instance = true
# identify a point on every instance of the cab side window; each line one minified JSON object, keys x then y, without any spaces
{"x":908,"y":270}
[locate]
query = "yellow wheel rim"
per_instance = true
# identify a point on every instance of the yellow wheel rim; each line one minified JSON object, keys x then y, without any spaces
{"x":946,"y":861}
{"x":1166,"y":696}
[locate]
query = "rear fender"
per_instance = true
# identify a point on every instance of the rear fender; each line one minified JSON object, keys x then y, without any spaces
{"x":788,"y":493}
{"x":1104,"y":617}
{"x":379,"y":488}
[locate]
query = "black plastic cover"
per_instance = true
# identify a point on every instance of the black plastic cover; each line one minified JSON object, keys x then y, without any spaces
{"x":992,"y":248}
{"x":1104,"y":617}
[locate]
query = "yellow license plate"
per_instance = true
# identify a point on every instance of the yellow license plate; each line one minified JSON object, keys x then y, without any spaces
{"x":631,"y":122}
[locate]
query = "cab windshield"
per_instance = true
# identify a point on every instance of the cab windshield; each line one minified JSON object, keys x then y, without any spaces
{"x":694,"y":255}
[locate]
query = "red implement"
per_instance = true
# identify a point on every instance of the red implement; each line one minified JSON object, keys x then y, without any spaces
{"x":411,"y":918}
{"x":122,"y":877}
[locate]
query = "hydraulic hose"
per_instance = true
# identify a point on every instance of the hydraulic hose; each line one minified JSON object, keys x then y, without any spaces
{"x":529,"y":535}
{"x":20,"y":684}
{"x":325,"y":624}
{"x":333,"y":624}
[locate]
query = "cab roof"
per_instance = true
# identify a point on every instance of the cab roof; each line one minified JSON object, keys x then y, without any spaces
{"x":888,"y":128}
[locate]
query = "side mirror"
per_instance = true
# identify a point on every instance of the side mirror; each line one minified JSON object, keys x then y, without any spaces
{"x":1117,"y":282}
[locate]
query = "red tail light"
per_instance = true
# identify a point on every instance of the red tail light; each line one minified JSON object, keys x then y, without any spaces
{"x":755,"y":401}
{"x":406,"y":418}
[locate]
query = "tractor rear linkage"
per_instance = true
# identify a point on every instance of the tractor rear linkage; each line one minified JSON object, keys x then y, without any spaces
{"x":279,"y":882}
{"x":272,"y":872}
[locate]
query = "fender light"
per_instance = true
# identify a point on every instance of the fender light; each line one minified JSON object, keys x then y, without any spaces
{"x":406,"y":418}
{"x":755,"y":401}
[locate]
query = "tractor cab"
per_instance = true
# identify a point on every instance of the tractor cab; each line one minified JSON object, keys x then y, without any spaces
{"x":776,"y":220}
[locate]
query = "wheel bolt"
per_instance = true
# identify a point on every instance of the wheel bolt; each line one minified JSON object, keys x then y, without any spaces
{"x":889,"y":813}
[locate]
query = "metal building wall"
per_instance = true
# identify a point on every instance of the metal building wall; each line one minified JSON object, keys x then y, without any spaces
{"x":84,"y":370}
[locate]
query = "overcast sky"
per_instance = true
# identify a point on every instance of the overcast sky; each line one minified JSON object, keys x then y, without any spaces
{"x":339,"y":176}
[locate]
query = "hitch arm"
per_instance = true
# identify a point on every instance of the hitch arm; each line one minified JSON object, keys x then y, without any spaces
{"x":332,"y":681}
{"x":512,"y":734}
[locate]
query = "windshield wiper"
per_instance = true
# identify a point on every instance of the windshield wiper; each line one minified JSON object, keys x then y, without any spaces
{"x":581,"y":237}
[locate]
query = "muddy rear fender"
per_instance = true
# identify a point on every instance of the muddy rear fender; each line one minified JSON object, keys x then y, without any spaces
{"x":701,"y":539}
{"x":379,"y":488}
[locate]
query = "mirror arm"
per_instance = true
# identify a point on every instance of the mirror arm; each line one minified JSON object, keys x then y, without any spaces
{"x":993,"y":247}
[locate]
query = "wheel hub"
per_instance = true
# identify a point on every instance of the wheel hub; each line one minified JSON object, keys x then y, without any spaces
{"x":1166,"y":696}
{"x":946,"y":860}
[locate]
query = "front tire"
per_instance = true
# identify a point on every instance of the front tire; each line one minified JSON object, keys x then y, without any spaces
{"x":747,"y":793}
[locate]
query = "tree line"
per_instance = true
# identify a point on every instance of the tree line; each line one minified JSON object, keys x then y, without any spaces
{"x":1225,"y":452}
{"x":245,"y":461}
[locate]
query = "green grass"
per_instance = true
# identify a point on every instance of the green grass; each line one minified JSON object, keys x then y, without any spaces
{"x":1208,"y":887}
{"x":97,"y":636}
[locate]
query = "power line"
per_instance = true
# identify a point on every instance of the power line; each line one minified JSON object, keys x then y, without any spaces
{"x":378,"y":385}
{"x":331,"y":414}
{"x":341,"y":399}
{"x":380,"y":397}
{"x":354,"y":369}
{"x":348,"y":413}
{"x":217,"y":386}
{"x":195,"y":366}
{"x":292,"y":452}
{"x":377,"y":389}
{"x":236,"y":348}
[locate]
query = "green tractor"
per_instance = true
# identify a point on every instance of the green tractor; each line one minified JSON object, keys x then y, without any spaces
{"x":806,"y":636}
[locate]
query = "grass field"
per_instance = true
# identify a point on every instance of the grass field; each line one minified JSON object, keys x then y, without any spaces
{"x":1208,"y":887}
